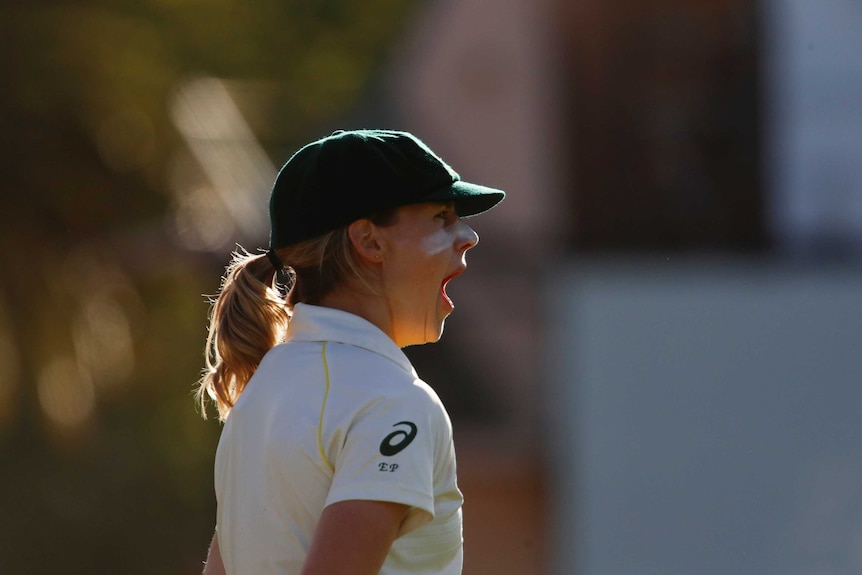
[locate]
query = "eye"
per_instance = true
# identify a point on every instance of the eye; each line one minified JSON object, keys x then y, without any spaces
{"x":446,"y":213}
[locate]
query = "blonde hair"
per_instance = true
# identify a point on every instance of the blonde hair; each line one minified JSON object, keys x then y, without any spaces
{"x":251,"y":312}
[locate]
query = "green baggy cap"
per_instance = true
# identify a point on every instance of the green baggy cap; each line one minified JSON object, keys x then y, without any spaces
{"x":349,"y":175}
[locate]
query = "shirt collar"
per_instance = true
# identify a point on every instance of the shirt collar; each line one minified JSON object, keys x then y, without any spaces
{"x":317,"y":323}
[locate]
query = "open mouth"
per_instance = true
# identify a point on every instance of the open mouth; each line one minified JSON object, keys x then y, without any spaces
{"x":446,"y":283}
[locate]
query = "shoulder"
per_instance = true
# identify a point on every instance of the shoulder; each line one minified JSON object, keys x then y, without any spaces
{"x":354,"y":366}
{"x":362,"y":380}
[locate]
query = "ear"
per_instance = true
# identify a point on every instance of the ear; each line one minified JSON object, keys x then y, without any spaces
{"x":366,"y":240}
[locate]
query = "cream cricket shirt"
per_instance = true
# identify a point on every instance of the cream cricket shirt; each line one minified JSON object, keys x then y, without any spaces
{"x":335,"y":413}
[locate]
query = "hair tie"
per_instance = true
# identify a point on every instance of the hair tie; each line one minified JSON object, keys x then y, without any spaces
{"x":274,"y":260}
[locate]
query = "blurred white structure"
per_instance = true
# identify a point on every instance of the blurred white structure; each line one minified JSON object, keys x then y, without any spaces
{"x":706,"y":419}
{"x":230,"y":202}
{"x":813,"y":131}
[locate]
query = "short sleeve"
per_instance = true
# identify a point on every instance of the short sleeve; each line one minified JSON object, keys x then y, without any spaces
{"x":388,"y":455}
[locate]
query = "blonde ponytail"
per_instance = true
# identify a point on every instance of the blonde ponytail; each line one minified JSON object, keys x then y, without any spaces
{"x":249,"y":317}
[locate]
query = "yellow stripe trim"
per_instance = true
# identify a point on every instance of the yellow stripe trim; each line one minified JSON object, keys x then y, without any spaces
{"x":323,"y":409}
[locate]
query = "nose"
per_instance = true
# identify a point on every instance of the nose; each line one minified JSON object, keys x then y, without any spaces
{"x":467,"y":237}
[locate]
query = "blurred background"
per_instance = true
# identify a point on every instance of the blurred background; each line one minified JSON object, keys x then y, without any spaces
{"x":654,"y":363}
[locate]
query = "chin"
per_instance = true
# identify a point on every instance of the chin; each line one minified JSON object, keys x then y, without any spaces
{"x":435,"y":337}
{"x":433,"y":330}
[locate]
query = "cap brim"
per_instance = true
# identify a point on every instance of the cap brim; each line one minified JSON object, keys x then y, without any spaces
{"x":470,"y":199}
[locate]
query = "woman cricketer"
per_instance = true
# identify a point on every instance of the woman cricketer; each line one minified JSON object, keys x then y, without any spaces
{"x":335,"y":457}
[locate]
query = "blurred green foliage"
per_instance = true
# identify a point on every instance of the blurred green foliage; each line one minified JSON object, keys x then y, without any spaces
{"x":105,"y":465}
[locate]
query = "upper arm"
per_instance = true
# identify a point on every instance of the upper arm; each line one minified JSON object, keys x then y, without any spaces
{"x":353,"y":537}
{"x":389,"y":453}
{"x":214,"y":565}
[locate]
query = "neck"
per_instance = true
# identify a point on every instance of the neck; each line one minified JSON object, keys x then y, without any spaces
{"x":370,"y":307}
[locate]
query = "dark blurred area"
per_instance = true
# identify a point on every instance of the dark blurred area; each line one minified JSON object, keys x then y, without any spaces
{"x":665,"y":127}
{"x":105,"y":466}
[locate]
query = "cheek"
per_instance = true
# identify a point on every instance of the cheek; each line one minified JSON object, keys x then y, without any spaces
{"x":410,"y":281}
{"x":435,"y":243}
